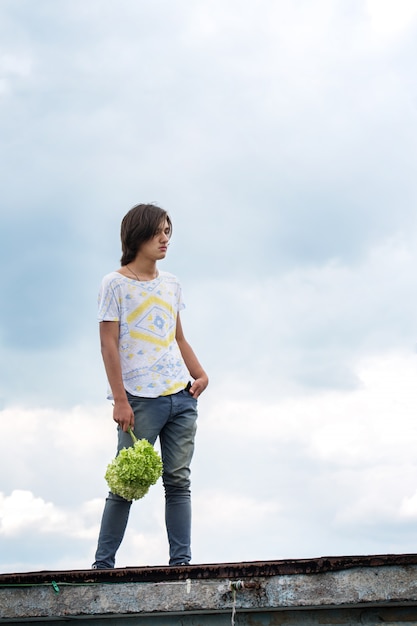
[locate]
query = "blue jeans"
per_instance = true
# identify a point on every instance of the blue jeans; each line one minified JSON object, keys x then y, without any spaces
{"x":172,"y":419}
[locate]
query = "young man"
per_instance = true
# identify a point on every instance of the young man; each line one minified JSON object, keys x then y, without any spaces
{"x":154,"y":376}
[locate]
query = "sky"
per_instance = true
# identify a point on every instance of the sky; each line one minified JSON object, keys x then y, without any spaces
{"x":281,"y":138}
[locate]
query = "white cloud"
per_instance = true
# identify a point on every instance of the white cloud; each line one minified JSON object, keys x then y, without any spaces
{"x":345,"y":457}
{"x":361,"y":426}
{"x":408,"y":507}
{"x":62,"y":454}
{"x":307,"y":328}
{"x":281,"y":138}
{"x":22,"y":512}
{"x":388,"y":21}
{"x":13,"y":68}
{"x":290,"y":476}
{"x":225,"y":510}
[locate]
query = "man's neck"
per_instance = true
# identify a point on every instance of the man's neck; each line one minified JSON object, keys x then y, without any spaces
{"x":145,"y":269}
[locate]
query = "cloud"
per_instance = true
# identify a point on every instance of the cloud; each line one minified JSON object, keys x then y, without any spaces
{"x":408,"y":508}
{"x":307,"y":328}
{"x":21,"y":510}
{"x":388,"y":25}
{"x":280,"y":137}
{"x":13,"y":69}
{"x":34,"y":531}
{"x":22,"y":513}
{"x":364,"y":426}
{"x":326,"y":472}
{"x":63,"y":446}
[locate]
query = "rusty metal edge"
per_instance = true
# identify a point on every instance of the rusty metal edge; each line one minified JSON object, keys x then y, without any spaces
{"x":240,"y":570}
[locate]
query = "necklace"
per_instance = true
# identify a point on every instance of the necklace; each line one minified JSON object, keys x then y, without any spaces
{"x":137,"y":277}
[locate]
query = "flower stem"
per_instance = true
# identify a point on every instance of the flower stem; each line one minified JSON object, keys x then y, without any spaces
{"x":132,"y":434}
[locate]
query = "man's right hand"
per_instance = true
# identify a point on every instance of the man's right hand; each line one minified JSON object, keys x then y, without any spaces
{"x":123,"y":415}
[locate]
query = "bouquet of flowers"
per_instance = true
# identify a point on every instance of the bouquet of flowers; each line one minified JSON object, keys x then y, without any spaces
{"x":134,"y":470}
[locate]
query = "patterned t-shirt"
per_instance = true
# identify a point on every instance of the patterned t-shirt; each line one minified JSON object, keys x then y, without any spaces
{"x":152,"y":364}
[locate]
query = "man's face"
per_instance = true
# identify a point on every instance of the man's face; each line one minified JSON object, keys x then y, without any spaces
{"x":156,"y":248}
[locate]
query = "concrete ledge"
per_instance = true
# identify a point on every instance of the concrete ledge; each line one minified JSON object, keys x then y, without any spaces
{"x":345,"y":585}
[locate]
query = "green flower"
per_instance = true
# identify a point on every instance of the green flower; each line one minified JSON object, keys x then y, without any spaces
{"x":134,"y":470}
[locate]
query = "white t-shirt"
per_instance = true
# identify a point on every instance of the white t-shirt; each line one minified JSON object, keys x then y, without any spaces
{"x":152,"y":364}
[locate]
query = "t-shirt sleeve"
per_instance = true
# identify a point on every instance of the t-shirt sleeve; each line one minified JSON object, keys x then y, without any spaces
{"x":180,"y":301}
{"x":108,"y":302}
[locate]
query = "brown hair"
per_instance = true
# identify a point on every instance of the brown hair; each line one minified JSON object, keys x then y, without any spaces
{"x":140,"y":224}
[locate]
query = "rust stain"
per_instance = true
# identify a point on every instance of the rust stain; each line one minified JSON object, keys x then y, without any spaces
{"x":243,"y":570}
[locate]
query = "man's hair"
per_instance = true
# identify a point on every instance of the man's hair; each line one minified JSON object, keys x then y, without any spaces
{"x":140,"y":224}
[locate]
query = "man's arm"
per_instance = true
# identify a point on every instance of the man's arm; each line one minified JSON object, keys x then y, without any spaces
{"x":109,"y":340}
{"x":193,"y":365}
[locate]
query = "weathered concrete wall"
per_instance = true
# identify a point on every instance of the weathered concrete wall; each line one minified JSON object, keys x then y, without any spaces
{"x":366,"y":591}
